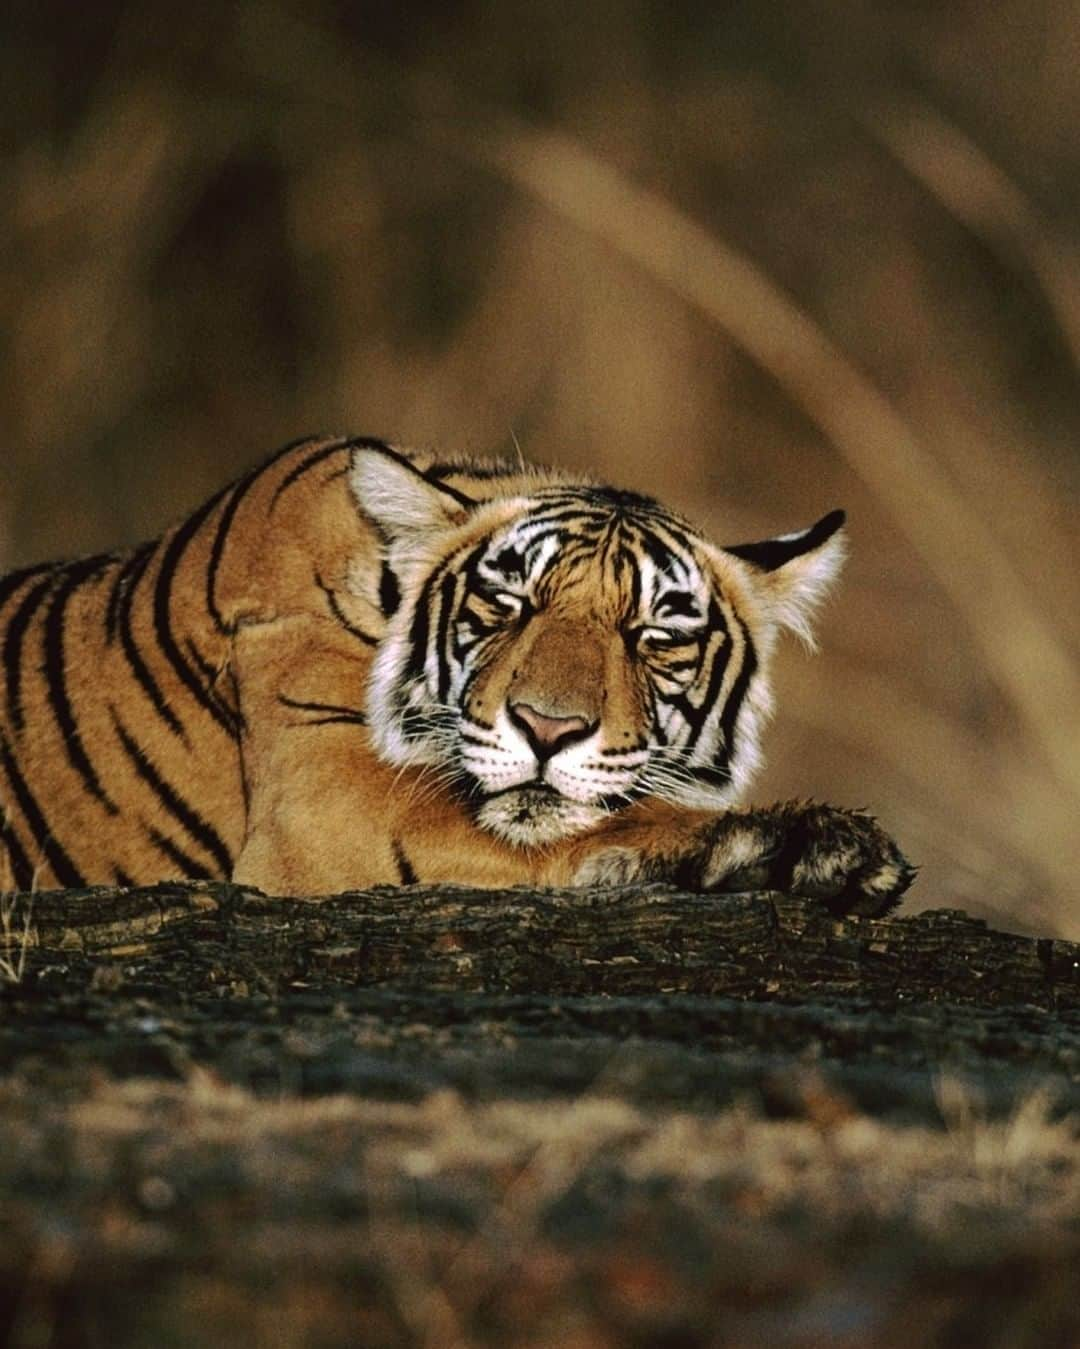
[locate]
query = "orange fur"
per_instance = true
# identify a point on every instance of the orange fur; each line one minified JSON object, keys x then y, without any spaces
{"x":319,"y":681}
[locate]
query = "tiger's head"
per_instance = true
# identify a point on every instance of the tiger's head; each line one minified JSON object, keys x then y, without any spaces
{"x":557,"y":650}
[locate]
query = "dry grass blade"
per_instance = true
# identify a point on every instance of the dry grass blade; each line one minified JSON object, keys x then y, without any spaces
{"x":15,"y":941}
{"x":955,"y":171}
{"x":1031,"y":665}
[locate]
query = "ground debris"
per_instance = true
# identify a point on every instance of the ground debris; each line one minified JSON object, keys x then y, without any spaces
{"x":846,"y":1133}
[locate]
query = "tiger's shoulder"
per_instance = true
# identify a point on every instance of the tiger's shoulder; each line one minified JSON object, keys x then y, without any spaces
{"x":121,"y":718}
{"x":282,"y":511}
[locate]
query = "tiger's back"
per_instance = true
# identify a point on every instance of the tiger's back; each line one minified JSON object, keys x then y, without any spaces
{"x":104,"y":745}
{"x":121,"y":722}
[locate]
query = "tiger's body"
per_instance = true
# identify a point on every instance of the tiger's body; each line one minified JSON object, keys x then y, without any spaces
{"x":358,"y":665}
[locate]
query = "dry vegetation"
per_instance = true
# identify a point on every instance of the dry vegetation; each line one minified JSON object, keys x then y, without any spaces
{"x":464,"y":1124}
{"x":761,"y":260}
{"x":589,"y":1224}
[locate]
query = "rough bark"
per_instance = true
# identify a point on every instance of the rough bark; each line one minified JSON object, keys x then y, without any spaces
{"x":447,"y":1117}
{"x":631,"y":940}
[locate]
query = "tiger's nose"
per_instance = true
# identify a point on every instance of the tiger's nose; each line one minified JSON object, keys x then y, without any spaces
{"x":547,"y":735}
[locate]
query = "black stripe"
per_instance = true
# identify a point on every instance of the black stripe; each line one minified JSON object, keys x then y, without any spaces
{"x":673,"y":534}
{"x":442,"y":655}
{"x":185,"y":814}
{"x":366,"y":443}
{"x":211,"y":676}
{"x":406,"y":874}
{"x":471,"y":739}
{"x":770,"y":554}
{"x":339,"y":614}
{"x":418,"y":631}
{"x":478,"y":472}
{"x":22,"y":873}
{"x":116,"y":593}
{"x":245,"y":786}
{"x":64,"y":869}
{"x":334,"y":711}
{"x":551,"y":498}
{"x":571,"y":512}
{"x":737,"y":695}
{"x":462,"y":644}
{"x":621,"y":502}
{"x":510,"y":561}
{"x":146,"y":681}
{"x":14,"y":579}
{"x":189,"y":868}
{"x":420,"y":627}
{"x":716,"y":774}
{"x":371,"y":443}
{"x":13,"y":644}
{"x":336,"y":720}
{"x":163,"y":617}
{"x":309,"y":463}
{"x":389,"y":591}
{"x":698,"y":716}
{"x":218,"y":547}
{"x":677,"y":602}
{"x":52,"y":668}
{"x":627,"y":558}
{"x":121,"y":877}
{"x":658,"y":552}
{"x":309,"y":439}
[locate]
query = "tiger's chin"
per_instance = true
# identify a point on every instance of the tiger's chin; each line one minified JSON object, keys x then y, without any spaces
{"x":534,"y":815}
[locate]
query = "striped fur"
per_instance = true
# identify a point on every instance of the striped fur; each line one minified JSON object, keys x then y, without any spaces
{"x":359,"y":665}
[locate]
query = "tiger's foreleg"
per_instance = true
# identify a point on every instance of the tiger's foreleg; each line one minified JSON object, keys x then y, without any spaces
{"x":841,"y":857}
{"x":324,"y":813}
{"x":314,"y":819}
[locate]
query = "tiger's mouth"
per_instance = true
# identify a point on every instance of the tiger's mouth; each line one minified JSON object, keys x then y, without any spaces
{"x":535,"y":813}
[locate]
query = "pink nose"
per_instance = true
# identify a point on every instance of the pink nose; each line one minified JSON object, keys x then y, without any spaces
{"x":546,"y":734}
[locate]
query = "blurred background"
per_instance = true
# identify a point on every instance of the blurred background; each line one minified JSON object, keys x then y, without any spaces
{"x":760,"y":259}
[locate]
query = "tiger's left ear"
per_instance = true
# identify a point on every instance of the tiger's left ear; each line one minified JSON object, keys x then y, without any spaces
{"x":394,"y":493}
{"x":793,"y":573}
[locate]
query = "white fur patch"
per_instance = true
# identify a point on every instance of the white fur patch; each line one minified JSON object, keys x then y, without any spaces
{"x":530,"y":817}
{"x":738,"y":850}
{"x":612,"y":866}
{"x":395,"y":496}
{"x":794,"y":591}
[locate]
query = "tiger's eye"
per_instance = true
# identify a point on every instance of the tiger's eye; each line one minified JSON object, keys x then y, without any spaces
{"x":659,"y":638}
{"x":507,"y":604}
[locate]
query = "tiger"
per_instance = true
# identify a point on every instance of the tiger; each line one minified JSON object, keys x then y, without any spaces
{"x":362,"y":665}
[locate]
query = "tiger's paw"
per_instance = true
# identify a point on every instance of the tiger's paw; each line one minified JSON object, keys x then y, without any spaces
{"x":842,"y":857}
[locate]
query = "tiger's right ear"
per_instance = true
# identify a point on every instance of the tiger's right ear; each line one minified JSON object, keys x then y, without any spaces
{"x":399,"y":498}
{"x":792,"y":573}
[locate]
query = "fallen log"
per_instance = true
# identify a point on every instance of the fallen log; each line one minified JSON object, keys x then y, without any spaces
{"x":656,"y":1116}
{"x":631,"y":940}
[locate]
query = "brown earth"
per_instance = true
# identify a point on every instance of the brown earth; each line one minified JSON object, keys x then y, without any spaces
{"x":454,"y":1118}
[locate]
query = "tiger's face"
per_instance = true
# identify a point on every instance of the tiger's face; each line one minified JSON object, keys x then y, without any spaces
{"x":559,"y":653}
